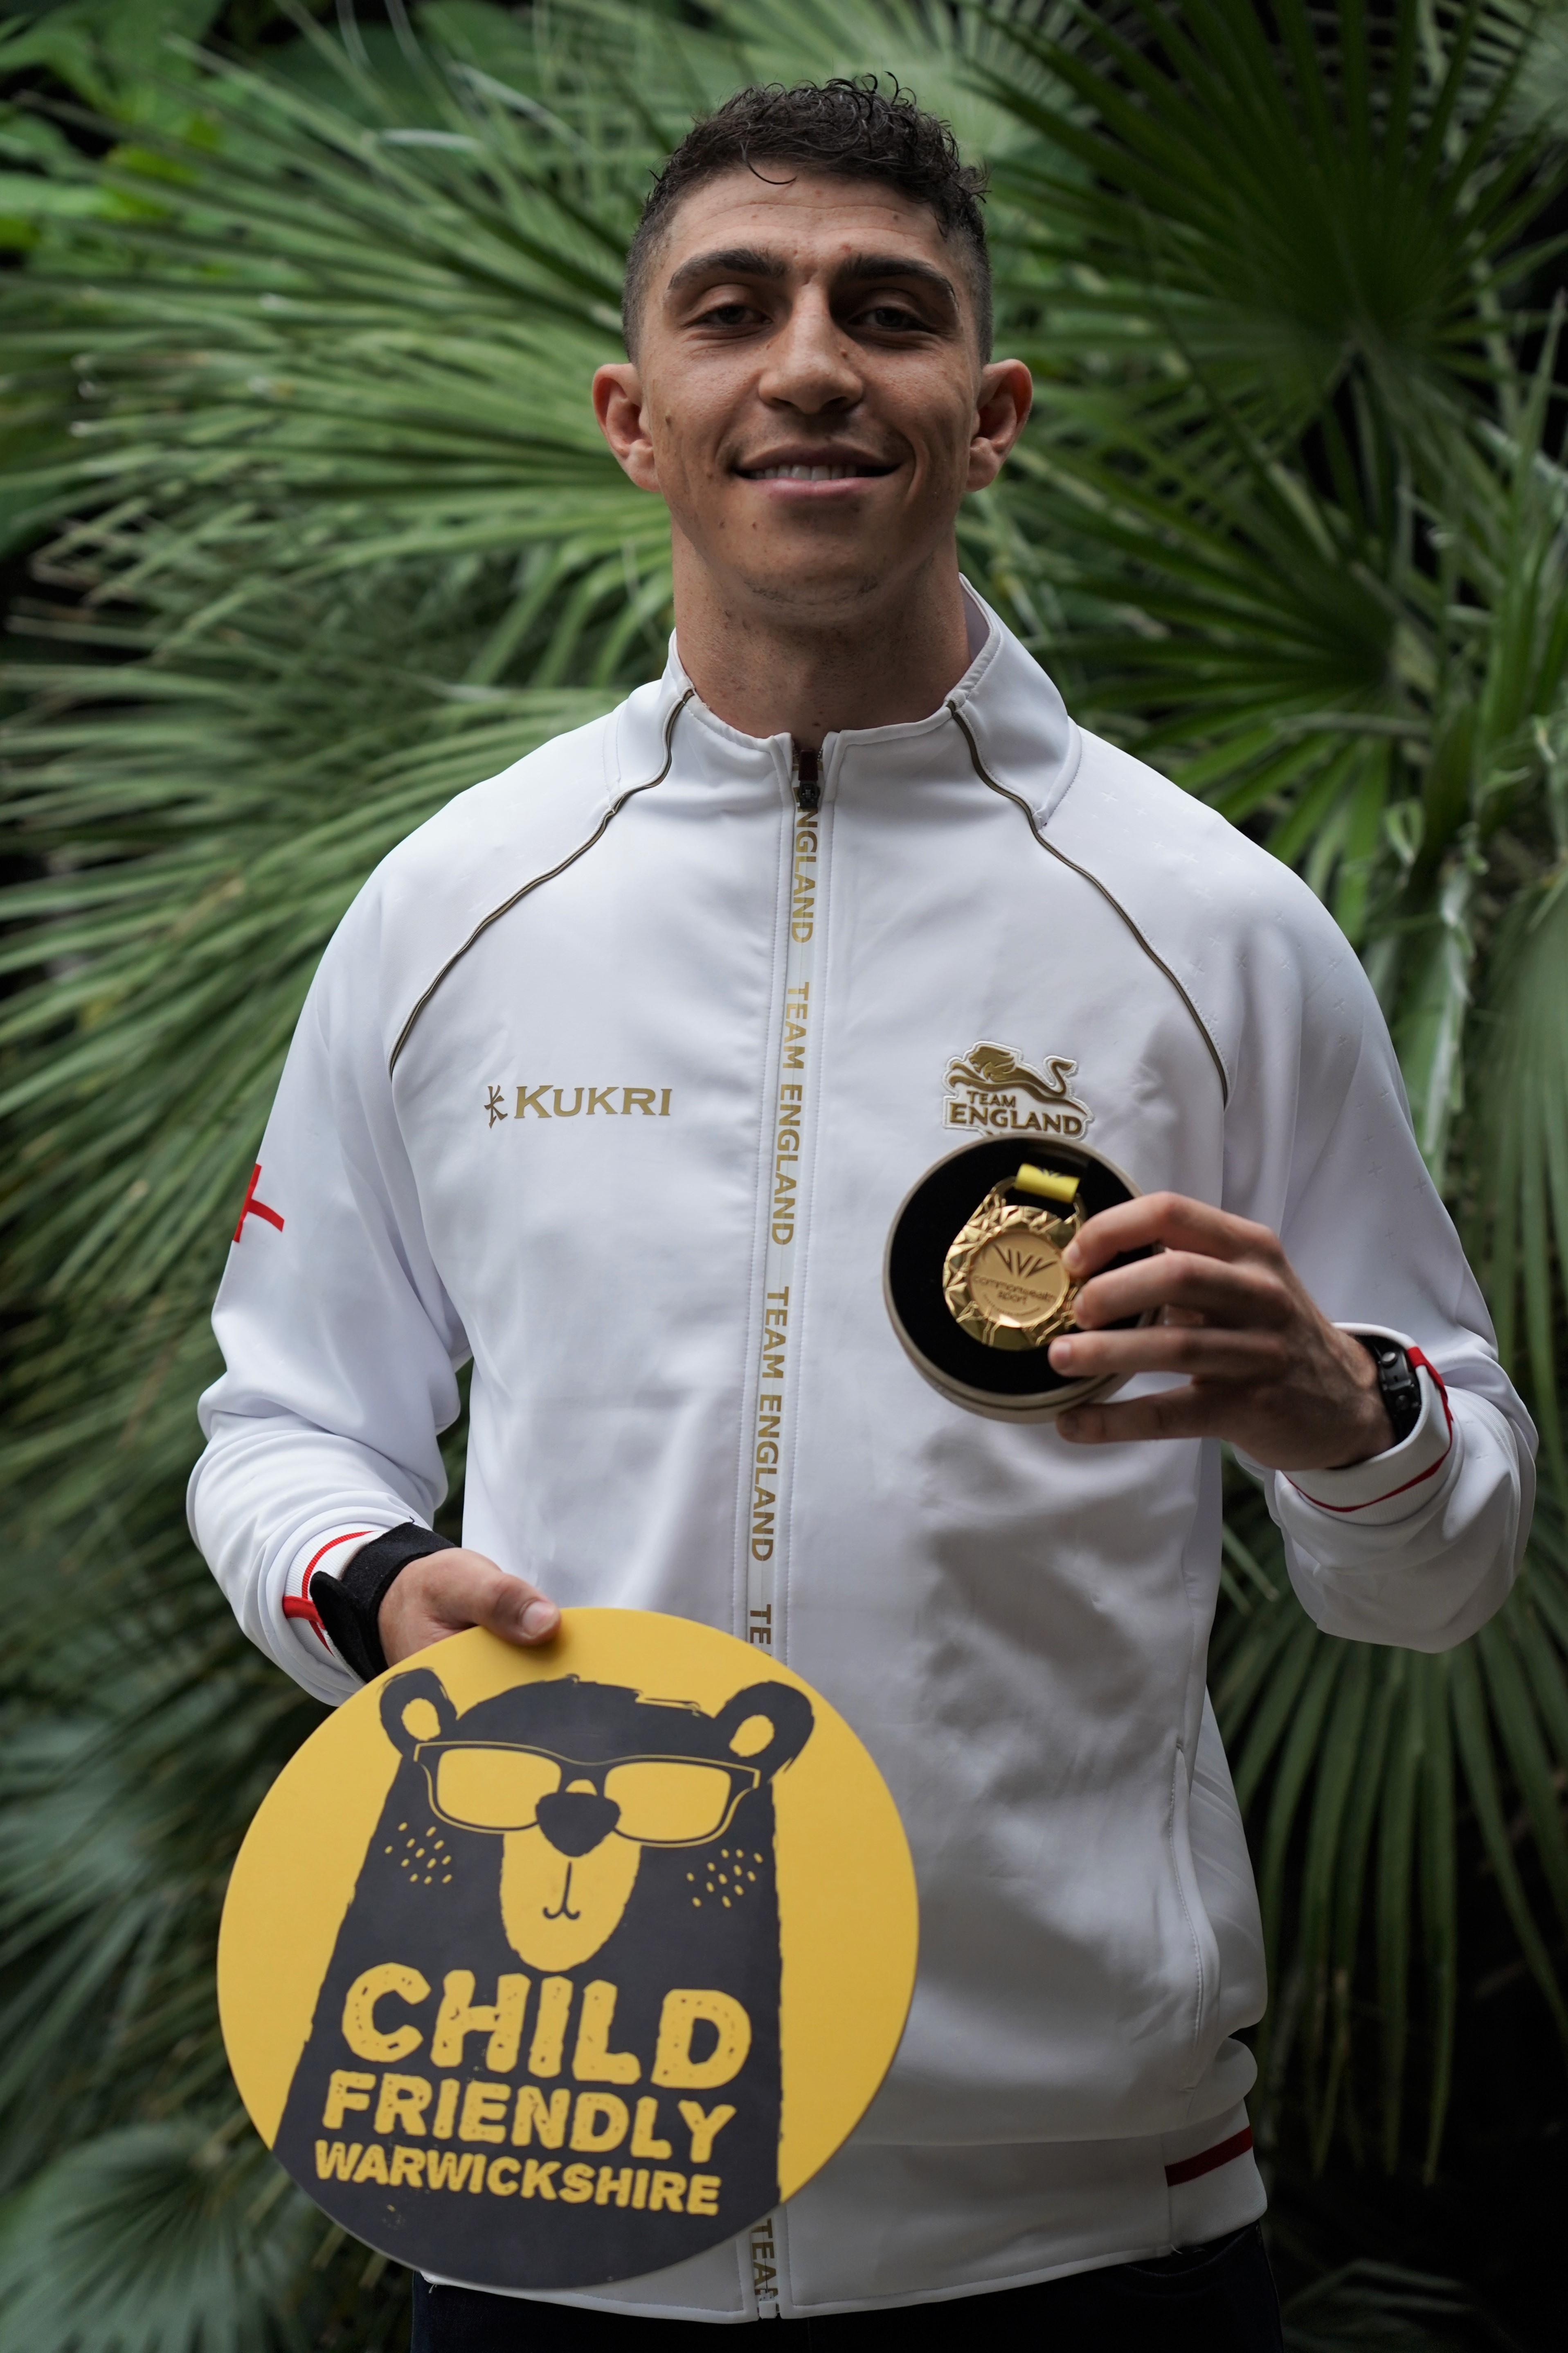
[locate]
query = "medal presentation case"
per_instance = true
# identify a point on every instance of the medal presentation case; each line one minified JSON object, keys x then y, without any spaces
{"x":974,"y":1278}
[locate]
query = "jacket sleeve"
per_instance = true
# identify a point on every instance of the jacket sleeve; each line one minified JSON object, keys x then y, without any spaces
{"x":340,"y":1342}
{"x":1419,"y":1545}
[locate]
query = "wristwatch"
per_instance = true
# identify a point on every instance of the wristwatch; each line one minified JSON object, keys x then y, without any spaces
{"x":1397,"y":1381}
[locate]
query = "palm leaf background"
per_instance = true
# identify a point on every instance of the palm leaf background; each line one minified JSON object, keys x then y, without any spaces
{"x":293,"y":436}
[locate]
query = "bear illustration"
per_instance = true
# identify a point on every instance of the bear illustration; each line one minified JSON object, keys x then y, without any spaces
{"x":545,"y":2052}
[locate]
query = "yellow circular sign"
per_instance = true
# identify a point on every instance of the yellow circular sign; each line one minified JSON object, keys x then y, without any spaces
{"x":541,"y":1968}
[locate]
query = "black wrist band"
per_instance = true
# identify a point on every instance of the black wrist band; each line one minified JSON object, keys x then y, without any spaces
{"x":348,"y":1606}
{"x":1397,"y":1381}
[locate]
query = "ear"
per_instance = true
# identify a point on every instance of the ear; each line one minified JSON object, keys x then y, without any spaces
{"x":398,"y":1699}
{"x":618,"y":406}
{"x":1006,"y":395}
{"x":767,"y":1725}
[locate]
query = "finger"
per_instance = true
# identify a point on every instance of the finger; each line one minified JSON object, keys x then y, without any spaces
{"x":1178,"y":1413}
{"x":1173,"y":1218}
{"x":1225,"y":1292}
{"x":445,"y":1592}
{"x":517,"y":1612}
{"x":1195,"y":1349}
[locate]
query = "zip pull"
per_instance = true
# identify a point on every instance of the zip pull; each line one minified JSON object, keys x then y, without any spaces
{"x":806,"y":775}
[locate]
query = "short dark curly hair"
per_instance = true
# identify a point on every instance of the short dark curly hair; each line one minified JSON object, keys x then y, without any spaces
{"x":852,"y":130}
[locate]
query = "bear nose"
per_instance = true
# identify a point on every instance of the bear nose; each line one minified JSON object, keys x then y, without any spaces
{"x":575,"y":1821}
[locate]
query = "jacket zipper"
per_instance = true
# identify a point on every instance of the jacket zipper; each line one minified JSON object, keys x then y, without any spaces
{"x":800,"y":1015}
{"x":773,"y":1442}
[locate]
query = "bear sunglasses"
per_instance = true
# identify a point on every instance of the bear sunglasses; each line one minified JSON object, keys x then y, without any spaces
{"x":658,"y":1801}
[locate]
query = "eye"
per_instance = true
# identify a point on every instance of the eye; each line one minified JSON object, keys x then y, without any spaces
{"x":891,"y":318}
{"x":727,"y":314}
{"x":748,"y":1739}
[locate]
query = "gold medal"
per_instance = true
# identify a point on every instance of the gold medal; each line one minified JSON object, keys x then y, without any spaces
{"x":976,"y":1309}
{"x":1003,"y":1278}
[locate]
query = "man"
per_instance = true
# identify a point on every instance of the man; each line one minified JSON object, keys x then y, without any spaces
{"x":613,"y":1079}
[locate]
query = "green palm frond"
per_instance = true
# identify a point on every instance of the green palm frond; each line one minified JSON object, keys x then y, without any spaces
{"x":138,"y":2213}
{"x":1351,"y":638}
{"x":1289,"y":203}
{"x":1383,"y":2308}
{"x":112,"y":53}
{"x":1522,"y":1148}
{"x":155,"y":2221}
{"x":1355,"y":1764}
{"x":1529,"y":45}
{"x":1377,"y":688}
{"x":347,"y":544}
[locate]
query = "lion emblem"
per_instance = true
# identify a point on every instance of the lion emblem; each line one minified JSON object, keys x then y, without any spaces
{"x":996,"y":1070}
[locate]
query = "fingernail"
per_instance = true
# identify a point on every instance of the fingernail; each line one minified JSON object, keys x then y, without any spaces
{"x":1068,"y":1423}
{"x":1072,"y":1258}
{"x":1060,"y":1354}
{"x":539,"y":1618}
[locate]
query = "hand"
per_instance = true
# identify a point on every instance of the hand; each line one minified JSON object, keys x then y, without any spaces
{"x":444,"y":1592}
{"x":1268,"y":1372}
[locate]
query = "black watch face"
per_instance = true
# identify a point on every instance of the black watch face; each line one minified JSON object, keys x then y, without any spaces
{"x":1396,"y":1384}
{"x":1401,"y":1394}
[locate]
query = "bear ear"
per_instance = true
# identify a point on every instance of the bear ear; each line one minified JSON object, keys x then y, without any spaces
{"x":409,"y":1703}
{"x":767,"y":1725}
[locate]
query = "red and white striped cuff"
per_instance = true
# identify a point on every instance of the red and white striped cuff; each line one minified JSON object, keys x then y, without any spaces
{"x":1392,"y":1485}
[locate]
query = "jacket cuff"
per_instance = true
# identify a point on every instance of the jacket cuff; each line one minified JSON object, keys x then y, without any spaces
{"x":298,"y":1605}
{"x":1392,"y":1485}
{"x":347,"y":1603}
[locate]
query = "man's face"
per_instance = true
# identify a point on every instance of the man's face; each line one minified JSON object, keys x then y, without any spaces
{"x":808,"y":395}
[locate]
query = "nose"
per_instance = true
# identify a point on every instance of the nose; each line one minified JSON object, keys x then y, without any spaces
{"x":575,"y":1821}
{"x":811,"y":363}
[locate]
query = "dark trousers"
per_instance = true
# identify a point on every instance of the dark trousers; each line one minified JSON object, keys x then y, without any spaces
{"x":1214,"y":2299}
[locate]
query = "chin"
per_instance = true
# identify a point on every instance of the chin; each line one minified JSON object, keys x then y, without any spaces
{"x":819,"y":592}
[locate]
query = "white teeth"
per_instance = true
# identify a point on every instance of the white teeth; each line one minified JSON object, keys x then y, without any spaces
{"x":806,"y":474}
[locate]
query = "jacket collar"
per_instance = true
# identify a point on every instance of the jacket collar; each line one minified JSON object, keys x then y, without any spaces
{"x":1011,"y":709}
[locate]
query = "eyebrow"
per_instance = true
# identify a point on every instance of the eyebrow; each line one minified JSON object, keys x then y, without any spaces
{"x":750,"y":261}
{"x":728,"y":262}
{"x":897,"y":265}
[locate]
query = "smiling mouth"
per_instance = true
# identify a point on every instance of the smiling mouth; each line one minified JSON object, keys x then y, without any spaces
{"x":857,"y":469}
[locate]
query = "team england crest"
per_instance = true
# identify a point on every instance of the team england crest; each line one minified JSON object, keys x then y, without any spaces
{"x":991,"y":1088}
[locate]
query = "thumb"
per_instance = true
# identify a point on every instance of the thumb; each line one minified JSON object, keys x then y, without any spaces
{"x":517,"y":1612}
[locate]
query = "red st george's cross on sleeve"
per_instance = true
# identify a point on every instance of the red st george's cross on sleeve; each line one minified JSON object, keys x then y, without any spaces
{"x":255,"y":1208}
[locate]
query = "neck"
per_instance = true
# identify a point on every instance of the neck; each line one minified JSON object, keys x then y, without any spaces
{"x":768,"y":672}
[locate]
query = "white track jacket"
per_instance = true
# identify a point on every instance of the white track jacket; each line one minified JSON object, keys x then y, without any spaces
{"x":612,"y":1080}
